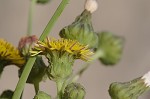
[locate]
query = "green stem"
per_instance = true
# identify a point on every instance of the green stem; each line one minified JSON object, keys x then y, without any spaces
{"x":76,"y":76}
{"x":23,"y":78}
{"x":36,"y":87}
{"x":59,"y":89}
{"x":54,"y":18}
{"x":1,"y":68}
{"x":30,"y":62}
{"x":30,"y":17}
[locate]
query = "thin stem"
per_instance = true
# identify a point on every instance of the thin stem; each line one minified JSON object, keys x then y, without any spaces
{"x":56,"y":15}
{"x":76,"y":76}
{"x":59,"y":89}
{"x":1,"y":68}
{"x":30,"y":62}
{"x":36,"y":87}
{"x":30,"y":17}
{"x":23,"y":78}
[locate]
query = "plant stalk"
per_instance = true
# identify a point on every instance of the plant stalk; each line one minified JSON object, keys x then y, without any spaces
{"x":84,"y":67}
{"x":36,"y":87}
{"x":30,"y":17}
{"x":59,"y":89}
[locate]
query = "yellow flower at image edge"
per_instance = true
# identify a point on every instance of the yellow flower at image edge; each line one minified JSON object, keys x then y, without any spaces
{"x":73,"y":47}
{"x":9,"y":54}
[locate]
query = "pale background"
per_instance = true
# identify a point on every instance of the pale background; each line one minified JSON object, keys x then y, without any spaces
{"x":127,"y":18}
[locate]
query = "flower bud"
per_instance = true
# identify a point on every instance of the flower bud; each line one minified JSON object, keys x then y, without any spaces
{"x":74,"y":91}
{"x":7,"y":94}
{"x":111,"y":47}
{"x":60,"y":66}
{"x":130,"y":90}
{"x":38,"y":72}
{"x":42,"y":1}
{"x":81,"y":30}
{"x":42,"y":95}
{"x":26,"y":43}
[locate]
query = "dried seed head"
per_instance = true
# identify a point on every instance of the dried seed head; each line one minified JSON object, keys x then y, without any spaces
{"x":91,"y":5}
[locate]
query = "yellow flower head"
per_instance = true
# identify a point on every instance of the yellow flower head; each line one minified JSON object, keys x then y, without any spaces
{"x":9,"y":54}
{"x":73,"y":47}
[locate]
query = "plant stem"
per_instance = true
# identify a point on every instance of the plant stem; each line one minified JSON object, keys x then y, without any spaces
{"x":23,"y":78}
{"x":54,"y":18}
{"x":1,"y":68}
{"x":30,"y":17}
{"x":76,"y":76}
{"x":36,"y":87}
{"x":59,"y":89}
{"x":30,"y":62}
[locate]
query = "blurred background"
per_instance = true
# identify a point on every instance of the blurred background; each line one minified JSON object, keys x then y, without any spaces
{"x":127,"y":18}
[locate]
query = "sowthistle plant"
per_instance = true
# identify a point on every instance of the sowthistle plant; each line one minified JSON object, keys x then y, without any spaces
{"x":78,"y":41}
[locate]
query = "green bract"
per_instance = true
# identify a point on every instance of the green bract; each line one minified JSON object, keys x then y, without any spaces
{"x":81,"y":30}
{"x":74,"y":91}
{"x":128,"y":90}
{"x":111,"y":47}
{"x":60,"y":65}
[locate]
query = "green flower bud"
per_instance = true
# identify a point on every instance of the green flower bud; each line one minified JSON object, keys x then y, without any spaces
{"x":111,"y":47}
{"x":42,"y":95}
{"x":60,"y":65}
{"x":81,"y":30}
{"x":74,"y":91}
{"x":7,"y":94}
{"x":43,"y":1}
{"x":130,"y":90}
{"x":38,"y":72}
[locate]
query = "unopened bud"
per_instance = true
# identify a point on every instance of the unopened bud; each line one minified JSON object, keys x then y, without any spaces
{"x":130,"y":90}
{"x":74,"y":91}
{"x":81,"y":30}
{"x":111,"y":46}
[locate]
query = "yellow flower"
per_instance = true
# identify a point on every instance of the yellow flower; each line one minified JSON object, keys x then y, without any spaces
{"x":9,"y":54}
{"x":73,"y":47}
